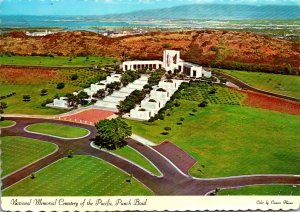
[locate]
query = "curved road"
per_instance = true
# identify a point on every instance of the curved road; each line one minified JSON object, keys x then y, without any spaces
{"x":173,"y":181}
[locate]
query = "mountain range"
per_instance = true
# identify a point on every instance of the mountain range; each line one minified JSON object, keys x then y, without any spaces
{"x":215,"y":12}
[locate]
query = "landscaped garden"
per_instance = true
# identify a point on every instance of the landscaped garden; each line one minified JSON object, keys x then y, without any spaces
{"x":277,"y":83}
{"x":211,"y":93}
{"x":225,"y":138}
{"x":229,"y":140}
{"x":34,"y":88}
{"x":81,"y":176}
{"x":58,"y":130}
{"x":266,"y":190}
{"x":20,"y":151}
{"x":130,"y":154}
{"x":53,"y":60}
{"x":6,"y":123}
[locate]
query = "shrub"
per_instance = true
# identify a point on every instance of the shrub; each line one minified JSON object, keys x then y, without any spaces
{"x":70,"y":154}
{"x":26,"y":98}
{"x":165,"y":133}
{"x":32,"y":176}
{"x":192,"y":114}
{"x":166,"y":45}
{"x":203,"y":104}
{"x":3,"y":105}
{"x":74,"y":77}
{"x":213,"y":91}
{"x":47,"y":101}
{"x":60,"y":85}
{"x":44,"y":92}
{"x":167,"y":128}
{"x":177,"y":104}
{"x":194,"y":110}
{"x":181,"y":119}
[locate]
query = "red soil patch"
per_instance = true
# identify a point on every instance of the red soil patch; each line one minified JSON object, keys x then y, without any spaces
{"x":89,"y":116}
{"x":271,"y":103}
{"x":25,"y":75}
{"x":180,"y":158}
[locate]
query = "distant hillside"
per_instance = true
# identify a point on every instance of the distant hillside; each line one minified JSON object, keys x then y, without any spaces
{"x":216,"y":12}
{"x":215,"y":48}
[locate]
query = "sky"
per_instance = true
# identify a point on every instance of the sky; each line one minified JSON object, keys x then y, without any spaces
{"x":103,"y":7}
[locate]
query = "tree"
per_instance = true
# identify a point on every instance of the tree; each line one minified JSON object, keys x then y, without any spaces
{"x":82,"y":96}
{"x":44,"y":92}
{"x":74,"y":77}
{"x":26,"y":98}
{"x":203,"y":104}
{"x":72,"y":100}
{"x":32,"y":176}
{"x":70,"y":153}
{"x":100,"y":94}
{"x":166,"y":45}
{"x":60,"y":85}
{"x":3,"y":105}
{"x":112,"y":133}
{"x":114,"y":86}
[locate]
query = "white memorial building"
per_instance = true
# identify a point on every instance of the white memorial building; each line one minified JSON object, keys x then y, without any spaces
{"x":171,"y":62}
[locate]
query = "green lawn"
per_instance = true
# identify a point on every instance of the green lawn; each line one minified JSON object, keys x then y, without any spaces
{"x":263,"y":190}
{"x":130,"y":154}
{"x":230,"y":140}
{"x":59,"y":130}
{"x":16,"y":105}
{"x":6,"y":123}
{"x":277,"y":83}
{"x":19,"y":151}
{"x":23,"y":83}
{"x":57,"y":61}
{"x":78,"y":176}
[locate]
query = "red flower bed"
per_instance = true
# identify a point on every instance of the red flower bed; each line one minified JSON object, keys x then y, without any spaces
{"x":25,"y":75}
{"x":271,"y":103}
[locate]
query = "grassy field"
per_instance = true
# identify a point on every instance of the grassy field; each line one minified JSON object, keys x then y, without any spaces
{"x":6,"y":123}
{"x":230,"y":140}
{"x":78,"y":176}
{"x":263,"y":190}
{"x":57,"y":61}
{"x":30,"y":82}
{"x":277,"y":83}
{"x":19,"y":151}
{"x":17,"y":105}
{"x":135,"y":157}
{"x":200,"y":91}
{"x":59,"y":130}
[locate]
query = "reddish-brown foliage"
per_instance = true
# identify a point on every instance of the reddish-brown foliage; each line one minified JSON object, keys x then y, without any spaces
{"x":207,"y":47}
{"x":271,"y":103}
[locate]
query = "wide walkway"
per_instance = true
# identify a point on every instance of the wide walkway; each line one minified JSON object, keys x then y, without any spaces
{"x":174,"y":180}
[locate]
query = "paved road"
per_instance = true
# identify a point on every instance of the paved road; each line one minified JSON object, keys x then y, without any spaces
{"x":173,"y":181}
{"x":245,"y":86}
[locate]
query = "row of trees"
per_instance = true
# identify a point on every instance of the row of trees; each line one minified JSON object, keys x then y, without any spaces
{"x":130,"y":102}
{"x":129,"y":76}
{"x":7,"y":96}
{"x":3,"y":105}
{"x":75,"y":100}
{"x":155,"y":77}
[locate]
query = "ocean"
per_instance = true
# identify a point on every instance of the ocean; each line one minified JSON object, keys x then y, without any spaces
{"x":186,"y":16}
